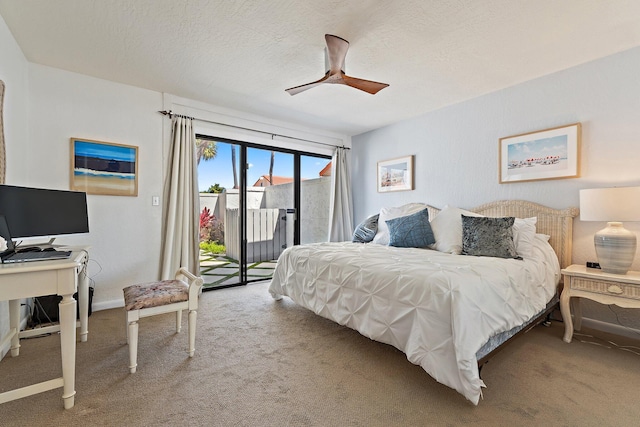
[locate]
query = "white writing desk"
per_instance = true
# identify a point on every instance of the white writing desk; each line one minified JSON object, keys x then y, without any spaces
{"x":38,"y":278}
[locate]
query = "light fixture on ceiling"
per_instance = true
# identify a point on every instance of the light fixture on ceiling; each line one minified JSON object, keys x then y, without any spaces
{"x":615,"y":245}
{"x":336,"y":52}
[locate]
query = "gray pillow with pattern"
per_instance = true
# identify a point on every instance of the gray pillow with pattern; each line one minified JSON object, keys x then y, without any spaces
{"x":485,"y":236}
{"x":366,"y":230}
{"x":411,"y":231}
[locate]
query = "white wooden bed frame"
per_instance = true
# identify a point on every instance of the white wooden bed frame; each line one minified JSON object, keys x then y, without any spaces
{"x":556,"y":223}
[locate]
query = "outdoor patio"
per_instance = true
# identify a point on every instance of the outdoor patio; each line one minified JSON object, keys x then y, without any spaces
{"x":219,"y":270}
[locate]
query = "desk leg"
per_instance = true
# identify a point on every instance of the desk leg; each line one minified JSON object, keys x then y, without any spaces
{"x":565,"y":310}
{"x":83,"y":300}
{"x":68,"y":348}
{"x":14,"y":326}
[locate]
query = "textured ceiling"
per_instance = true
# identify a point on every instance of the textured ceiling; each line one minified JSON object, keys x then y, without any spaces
{"x":243,"y":54}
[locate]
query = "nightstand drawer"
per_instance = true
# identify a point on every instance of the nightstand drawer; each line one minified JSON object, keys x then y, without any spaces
{"x":606,"y":287}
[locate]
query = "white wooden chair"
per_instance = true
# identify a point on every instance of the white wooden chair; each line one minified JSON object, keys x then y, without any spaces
{"x":165,"y":296}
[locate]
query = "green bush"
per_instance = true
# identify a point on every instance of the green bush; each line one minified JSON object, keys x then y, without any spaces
{"x":213,"y":247}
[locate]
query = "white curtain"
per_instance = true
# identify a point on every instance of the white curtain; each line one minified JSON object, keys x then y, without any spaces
{"x":181,"y":202}
{"x":341,"y":212}
{"x":2,"y":149}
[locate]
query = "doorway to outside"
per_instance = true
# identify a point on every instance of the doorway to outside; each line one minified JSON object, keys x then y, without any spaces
{"x":249,"y":215}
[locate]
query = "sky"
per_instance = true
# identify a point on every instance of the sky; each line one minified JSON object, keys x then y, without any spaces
{"x":105,"y":151}
{"x":218,"y":170}
{"x":555,"y":146}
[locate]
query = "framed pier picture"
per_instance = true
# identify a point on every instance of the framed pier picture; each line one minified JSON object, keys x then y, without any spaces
{"x":546,"y":154}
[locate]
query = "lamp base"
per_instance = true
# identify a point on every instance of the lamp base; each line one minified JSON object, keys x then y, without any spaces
{"x":615,"y":247}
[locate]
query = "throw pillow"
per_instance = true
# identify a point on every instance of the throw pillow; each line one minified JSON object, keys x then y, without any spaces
{"x":382,"y":235}
{"x":411,"y":231}
{"x":366,"y":230}
{"x":485,"y":236}
{"x":447,"y":229}
{"x":524,"y":232}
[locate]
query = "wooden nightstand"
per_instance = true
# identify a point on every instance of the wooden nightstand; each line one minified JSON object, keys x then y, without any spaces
{"x":579,"y":281}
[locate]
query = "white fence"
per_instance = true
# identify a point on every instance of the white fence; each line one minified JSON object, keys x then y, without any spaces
{"x":266,"y":234}
{"x":266,"y":224}
{"x":314,"y":204}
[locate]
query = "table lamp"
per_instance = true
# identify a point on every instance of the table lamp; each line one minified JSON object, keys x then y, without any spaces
{"x":615,"y":245}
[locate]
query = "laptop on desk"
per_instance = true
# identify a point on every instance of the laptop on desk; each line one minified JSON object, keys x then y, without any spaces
{"x":13,"y":254}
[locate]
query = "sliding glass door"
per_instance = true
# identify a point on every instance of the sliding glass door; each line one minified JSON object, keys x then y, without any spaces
{"x":315,"y":193}
{"x":250,"y":214}
{"x":270,"y":195}
{"x":219,"y":186}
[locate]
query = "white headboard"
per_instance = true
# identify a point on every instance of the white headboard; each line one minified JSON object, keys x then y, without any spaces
{"x":556,"y":223}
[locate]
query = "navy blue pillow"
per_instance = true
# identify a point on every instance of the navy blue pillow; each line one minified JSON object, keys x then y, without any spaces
{"x":411,"y":231}
{"x":366,"y":230}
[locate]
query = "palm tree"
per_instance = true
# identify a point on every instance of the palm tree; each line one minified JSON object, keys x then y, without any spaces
{"x":235,"y":173}
{"x":206,"y":149}
{"x":233,"y":164}
{"x":273,"y":158}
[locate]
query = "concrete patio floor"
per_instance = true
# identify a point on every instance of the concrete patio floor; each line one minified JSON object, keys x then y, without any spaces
{"x":219,"y":270}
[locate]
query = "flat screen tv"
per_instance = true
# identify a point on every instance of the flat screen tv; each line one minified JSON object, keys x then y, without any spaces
{"x":35,"y":212}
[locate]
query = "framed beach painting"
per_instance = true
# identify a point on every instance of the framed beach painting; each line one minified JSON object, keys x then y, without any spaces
{"x":395,"y":174}
{"x":546,"y":154}
{"x":104,"y":168}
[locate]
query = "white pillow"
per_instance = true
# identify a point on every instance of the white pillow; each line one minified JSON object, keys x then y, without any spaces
{"x":382,"y":235}
{"x":447,"y":229}
{"x":544,"y":237}
{"x":524,"y":233}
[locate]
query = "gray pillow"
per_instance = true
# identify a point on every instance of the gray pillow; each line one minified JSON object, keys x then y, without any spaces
{"x":411,"y":231}
{"x":366,"y":230}
{"x":485,"y":236}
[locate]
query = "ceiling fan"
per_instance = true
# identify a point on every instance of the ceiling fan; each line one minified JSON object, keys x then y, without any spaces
{"x":336,"y":52}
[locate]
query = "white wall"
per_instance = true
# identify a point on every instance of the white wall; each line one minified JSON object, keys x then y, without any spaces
{"x":124,"y":231}
{"x":456,"y":148}
{"x":233,"y":125}
{"x":13,"y":72}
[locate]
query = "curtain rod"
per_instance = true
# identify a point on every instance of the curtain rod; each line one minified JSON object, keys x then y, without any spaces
{"x":171,"y":114}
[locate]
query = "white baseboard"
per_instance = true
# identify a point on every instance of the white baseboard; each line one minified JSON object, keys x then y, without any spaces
{"x":612,"y":328}
{"x":106,"y":305}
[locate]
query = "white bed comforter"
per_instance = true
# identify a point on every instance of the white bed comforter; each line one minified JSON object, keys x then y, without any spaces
{"x":437,"y":308}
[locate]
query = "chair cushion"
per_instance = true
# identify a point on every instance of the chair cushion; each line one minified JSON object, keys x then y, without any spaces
{"x":155,"y":294}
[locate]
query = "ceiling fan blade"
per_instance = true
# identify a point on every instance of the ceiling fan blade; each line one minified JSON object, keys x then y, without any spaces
{"x":336,"y":52}
{"x":337,"y":48}
{"x":297,"y":89}
{"x":365,"y":85}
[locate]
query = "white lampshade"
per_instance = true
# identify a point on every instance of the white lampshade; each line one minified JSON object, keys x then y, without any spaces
{"x":615,"y":245}
{"x":610,"y":204}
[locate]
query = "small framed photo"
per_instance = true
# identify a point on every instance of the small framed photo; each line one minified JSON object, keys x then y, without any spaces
{"x":104,"y":168}
{"x":395,"y":174}
{"x":546,"y":154}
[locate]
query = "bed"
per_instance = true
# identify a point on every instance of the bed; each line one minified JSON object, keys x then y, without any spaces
{"x":446,"y":311}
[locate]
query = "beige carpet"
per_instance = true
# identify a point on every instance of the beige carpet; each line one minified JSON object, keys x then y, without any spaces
{"x":264,"y":363}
